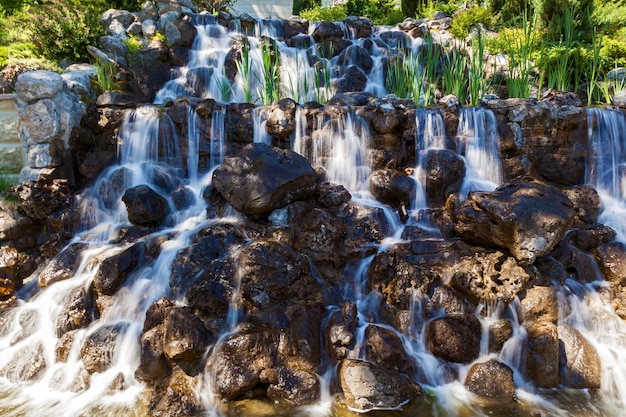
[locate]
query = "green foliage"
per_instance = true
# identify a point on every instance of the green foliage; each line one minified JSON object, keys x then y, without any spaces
{"x":244,"y":68}
{"x":478,"y":84}
{"x":383,"y":12}
{"x":7,"y":181}
{"x":404,"y":78}
{"x":455,"y":74}
{"x":610,"y":15}
{"x":105,"y":79}
{"x":214,"y":6}
{"x":428,"y":8}
{"x":17,"y":66}
{"x":613,"y":52}
{"x":553,"y":17}
{"x":356,"y":7}
{"x":509,"y":12}
{"x":134,"y":44}
{"x":463,"y":22}
{"x":269,"y":91}
{"x":300,"y":5}
{"x":330,"y":13}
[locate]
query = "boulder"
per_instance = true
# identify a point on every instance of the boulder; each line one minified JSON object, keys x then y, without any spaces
{"x":499,"y":332}
{"x":455,"y":338}
{"x":367,"y":387}
{"x":36,"y":85}
{"x":238,"y":360}
{"x":41,"y":197}
{"x":491,"y":380}
{"x":176,"y":396}
{"x":392,"y":187}
{"x":340,"y":330}
{"x":579,"y":362}
{"x":540,"y":303}
{"x":445,"y":171}
{"x":353,"y":80}
{"x":281,"y":122}
{"x":145,"y":206}
{"x":99,"y":348}
{"x":526,"y":217}
{"x":294,"y":387}
{"x":262,"y":179}
{"x":78,"y":311}
{"x":63,"y":266}
{"x":611,"y":258}
{"x":542,"y":360}
{"x":153,"y":364}
{"x":114,"y":269}
{"x":318,"y":234}
{"x":327,"y":31}
{"x":490,"y":277}
{"x":356,"y":55}
{"x":384,"y":347}
{"x":185,"y":339}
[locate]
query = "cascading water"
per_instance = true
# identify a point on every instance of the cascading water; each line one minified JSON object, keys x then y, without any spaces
{"x":478,"y":134}
{"x":606,"y":165}
{"x":147,"y":155}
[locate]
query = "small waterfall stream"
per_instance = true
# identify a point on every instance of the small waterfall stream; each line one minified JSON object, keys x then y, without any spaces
{"x":340,"y":145}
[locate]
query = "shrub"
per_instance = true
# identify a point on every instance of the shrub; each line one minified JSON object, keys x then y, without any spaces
{"x":613,"y":52}
{"x":510,"y":11}
{"x":17,"y":66}
{"x":463,"y":22}
{"x":214,"y":6}
{"x":553,"y":16}
{"x":383,"y":12}
{"x":610,"y":15}
{"x":330,"y":13}
{"x":300,"y":5}
{"x":428,"y":8}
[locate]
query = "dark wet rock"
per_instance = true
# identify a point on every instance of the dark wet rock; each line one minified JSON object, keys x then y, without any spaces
{"x":332,"y":195}
{"x":368,"y":387}
{"x":490,"y":277}
{"x":240,"y":358}
{"x":454,"y":338}
{"x":384,"y":347}
{"x":211,"y":292}
{"x":611,"y":259}
{"x":111,"y":189}
{"x":361,"y":26}
{"x":587,"y":204}
{"x":153,"y":363}
{"x":157,"y":312}
{"x":294,"y":387}
{"x":63,"y":266}
{"x":445,"y":171}
{"x":492,"y":380}
{"x":95,"y":163}
{"x":365,"y":226}
{"x":542,"y":358}
{"x":176,"y":396}
{"x":64,"y":345}
{"x":447,"y":300}
{"x":301,"y":338}
{"x":145,"y":206}
{"x":78,"y":311}
{"x":262,"y":179}
{"x":295,"y":26}
{"x":183,"y":198}
{"x":591,"y":237}
{"x":353,"y":80}
{"x":579,"y":362}
{"x":540,"y":303}
{"x":39,"y":198}
{"x":18,"y":231}
{"x":579,"y":265}
{"x":327,"y":31}
{"x":14,"y":268}
{"x":114,"y":269}
{"x":99,"y":348}
{"x":499,"y":332}
{"x":185,"y":339}
{"x":340,"y":330}
{"x":356,"y":55}
{"x":406,"y":270}
{"x":527,"y":218}
{"x":318,"y":234}
{"x":281,"y":122}
{"x":392,"y":187}
{"x":273,"y":274}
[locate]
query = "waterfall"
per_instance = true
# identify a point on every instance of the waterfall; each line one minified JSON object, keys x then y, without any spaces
{"x":478,"y":134}
{"x":606,"y":165}
{"x":217,"y":137}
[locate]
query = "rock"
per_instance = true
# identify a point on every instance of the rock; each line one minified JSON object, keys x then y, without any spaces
{"x":281,"y":122}
{"x":26,"y":365}
{"x":340,"y":330}
{"x":527,"y":218}
{"x":114,"y":269}
{"x":542,"y":360}
{"x":491,"y":380}
{"x":540,"y":303}
{"x":153,"y":364}
{"x":301,"y":338}
{"x":367,"y":387}
{"x":332,"y":195}
{"x":358,"y":56}
{"x":611,"y":258}
{"x":36,"y":85}
{"x":445,"y":299}
{"x":490,"y":277}
{"x":99,"y":348}
{"x":185,"y":338}
{"x":455,"y":338}
{"x":177,"y":396}
{"x":145,"y":206}
{"x":41,"y":121}
{"x":238,"y":360}
{"x":353,"y":80}
{"x":445,"y":171}
{"x":41,"y":197}
{"x":78,"y":311}
{"x":384,"y":347}
{"x":392,"y":187}
{"x":95,"y":162}
{"x":295,"y":26}
{"x":587,"y":204}
{"x":273,"y":274}
{"x":619,"y":99}
{"x":63,"y":266}
{"x":579,"y":363}
{"x":263,"y":179}
{"x":499,"y":332}
{"x":327,"y":31}
{"x":295,"y":387}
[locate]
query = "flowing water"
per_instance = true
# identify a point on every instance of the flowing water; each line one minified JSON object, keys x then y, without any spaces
{"x":148,"y":155}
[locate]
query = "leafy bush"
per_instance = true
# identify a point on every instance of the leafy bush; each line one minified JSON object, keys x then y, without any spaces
{"x":300,"y":5}
{"x":610,"y":15}
{"x":383,"y":12}
{"x":510,"y":11}
{"x":463,"y":22}
{"x":553,"y":16}
{"x":613,"y":52}
{"x":21,"y":50}
{"x":17,"y":66}
{"x":430,"y":7}
{"x":330,"y":13}
{"x":214,"y":6}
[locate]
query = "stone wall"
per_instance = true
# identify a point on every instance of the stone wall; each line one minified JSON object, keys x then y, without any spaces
{"x":11,"y":160}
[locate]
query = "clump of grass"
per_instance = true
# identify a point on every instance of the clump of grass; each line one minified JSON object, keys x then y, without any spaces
{"x":106,"y":76}
{"x":520,"y":60}
{"x":455,"y":74}
{"x":478,"y":84}
{"x":134,"y":44}
{"x":269,"y":91}
{"x":403,"y":76}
